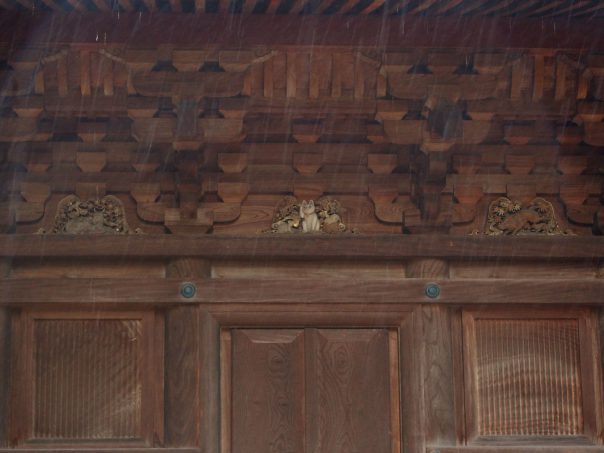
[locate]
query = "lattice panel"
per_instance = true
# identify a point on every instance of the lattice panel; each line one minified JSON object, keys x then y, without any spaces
{"x":528,"y":378}
{"x":87,"y":379}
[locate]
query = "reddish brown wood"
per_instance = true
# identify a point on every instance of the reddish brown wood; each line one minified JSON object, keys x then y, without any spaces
{"x":305,"y":247}
{"x":233,"y":31}
{"x":517,"y":449}
{"x":437,"y":376}
{"x":268,"y":387}
{"x":509,"y":355}
{"x":143,"y":292}
{"x":182,"y":405}
{"x":347,"y":382}
{"x":71,"y":449}
{"x":210,"y":356}
{"x":85,"y":377}
{"x":5,"y":358}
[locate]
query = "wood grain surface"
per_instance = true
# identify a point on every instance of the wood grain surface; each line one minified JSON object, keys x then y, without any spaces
{"x":143,"y":291}
{"x":194,"y":30}
{"x":348,"y":391}
{"x":531,"y":376}
{"x":88,"y":380}
{"x":311,"y":390}
{"x":268,"y":402}
{"x":303,"y":248}
{"x":528,"y":378}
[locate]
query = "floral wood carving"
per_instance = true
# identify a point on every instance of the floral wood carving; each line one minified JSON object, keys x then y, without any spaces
{"x":507,"y":217}
{"x":322,"y":216}
{"x":101,"y":216}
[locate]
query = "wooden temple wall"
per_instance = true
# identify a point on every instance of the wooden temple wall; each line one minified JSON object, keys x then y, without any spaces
{"x":159,"y":291}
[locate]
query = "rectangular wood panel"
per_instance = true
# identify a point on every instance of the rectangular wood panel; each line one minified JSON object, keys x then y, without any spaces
{"x":528,"y":377}
{"x":348,"y":388}
{"x":87,"y":379}
{"x":268,"y":391}
{"x":84,"y":377}
{"x":531,"y":375}
{"x":310,"y":391}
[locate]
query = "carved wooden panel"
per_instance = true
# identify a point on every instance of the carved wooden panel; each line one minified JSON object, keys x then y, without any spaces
{"x":530,"y":375}
{"x":311,"y":390}
{"x":517,"y":358}
{"x":86,"y":377}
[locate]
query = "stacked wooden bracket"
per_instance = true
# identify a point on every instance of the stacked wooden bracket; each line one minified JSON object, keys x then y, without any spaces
{"x":210,"y":140}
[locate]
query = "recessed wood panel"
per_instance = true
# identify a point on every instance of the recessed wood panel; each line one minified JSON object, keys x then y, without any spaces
{"x":328,"y":390}
{"x":81,"y":378}
{"x":268,"y":391}
{"x":87,"y":379}
{"x":531,"y":375}
{"x":348,"y":391}
{"x":528,"y":378}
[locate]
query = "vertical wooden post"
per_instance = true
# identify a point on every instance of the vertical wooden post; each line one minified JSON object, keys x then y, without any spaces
{"x":5,"y":360}
{"x":210,"y":383}
{"x":600,"y":337}
{"x":435,"y":360}
{"x":183,"y":402}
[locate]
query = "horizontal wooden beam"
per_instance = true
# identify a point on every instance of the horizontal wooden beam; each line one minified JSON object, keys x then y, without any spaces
{"x":101,"y":450}
{"x":311,"y":247}
{"x":190,"y":30}
{"x":289,"y":291}
{"x":519,"y":449}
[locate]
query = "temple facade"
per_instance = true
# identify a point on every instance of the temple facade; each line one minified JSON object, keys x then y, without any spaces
{"x":290,"y":226}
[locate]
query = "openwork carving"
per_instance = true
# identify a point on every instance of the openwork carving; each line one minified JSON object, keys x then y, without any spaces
{"x":507,"y":217}
{"x":101,"y":216}
{"x":322,"y":216}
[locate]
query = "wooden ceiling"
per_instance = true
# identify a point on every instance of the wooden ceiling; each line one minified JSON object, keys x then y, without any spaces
{"x":475,"y":8}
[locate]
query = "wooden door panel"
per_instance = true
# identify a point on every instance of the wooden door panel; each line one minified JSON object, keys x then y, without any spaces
{"x":295,"y":391}
{"x":268,"y":391}
{"x":348,"y":391}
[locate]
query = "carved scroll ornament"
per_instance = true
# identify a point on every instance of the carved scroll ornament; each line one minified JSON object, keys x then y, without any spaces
{"x":322,"y":216}
{"x":100,"y":216}
{"x":507,"y":217}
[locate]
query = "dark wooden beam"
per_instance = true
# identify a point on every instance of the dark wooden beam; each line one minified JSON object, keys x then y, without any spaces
{"x":287,"y":291}
{"x":520,"y":449}
{"x":310,"y":247}
{"x":189,"y":30}
{"x":101,"y":450}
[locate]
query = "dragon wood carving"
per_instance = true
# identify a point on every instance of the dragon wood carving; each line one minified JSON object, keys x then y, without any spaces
{"x":323,"y":215}
{"x":507,"y":217}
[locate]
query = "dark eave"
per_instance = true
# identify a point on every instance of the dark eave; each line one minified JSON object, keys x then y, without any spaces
{"x":192,"y":30}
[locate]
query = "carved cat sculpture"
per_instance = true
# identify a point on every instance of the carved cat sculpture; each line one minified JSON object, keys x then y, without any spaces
{"x":310,"y":220}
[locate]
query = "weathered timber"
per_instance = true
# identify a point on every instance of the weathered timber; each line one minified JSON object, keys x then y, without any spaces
{"x":182,"y":384}
{"x":148,"y":291}
{"x":306,"y":247}
{"x":195,"y":30}
{"x":102,"y":450}
{"x":517,"y":449}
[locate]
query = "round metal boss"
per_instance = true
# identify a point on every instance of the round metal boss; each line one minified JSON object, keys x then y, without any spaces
{"x":432,"y":290}
{"x":188,"y":290}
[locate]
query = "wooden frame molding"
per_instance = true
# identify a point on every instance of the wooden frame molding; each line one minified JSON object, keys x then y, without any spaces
{"x":538,"y":352}
{"x":521,"y":449}
{"x":149,"y":372}
{"x":383,"y":247}
{"x":233,"y":31}
{"x":398,"y":322}
{"x":22,"y":292}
